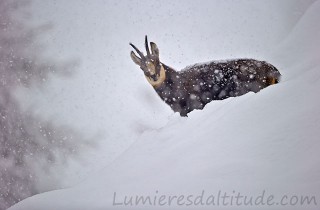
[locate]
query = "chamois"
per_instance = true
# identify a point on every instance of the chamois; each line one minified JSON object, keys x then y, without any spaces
{"x":198,"y":84}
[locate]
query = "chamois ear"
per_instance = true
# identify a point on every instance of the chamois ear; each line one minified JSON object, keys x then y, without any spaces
{"x":135,"y":58}
{"x":154,"y":49}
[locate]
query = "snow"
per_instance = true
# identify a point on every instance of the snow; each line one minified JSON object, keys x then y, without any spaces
{"x":266,"y":141}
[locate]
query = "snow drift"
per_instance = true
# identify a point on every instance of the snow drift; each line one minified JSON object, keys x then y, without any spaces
{"x":266,"y":142}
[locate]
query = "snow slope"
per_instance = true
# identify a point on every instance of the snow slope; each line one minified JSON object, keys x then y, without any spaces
{"x":267,"y":141}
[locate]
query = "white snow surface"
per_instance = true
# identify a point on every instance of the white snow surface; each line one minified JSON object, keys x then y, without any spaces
{"x":266,"y":141}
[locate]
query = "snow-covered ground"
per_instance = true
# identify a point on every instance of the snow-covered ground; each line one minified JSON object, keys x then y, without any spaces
{"x":257,"y":142}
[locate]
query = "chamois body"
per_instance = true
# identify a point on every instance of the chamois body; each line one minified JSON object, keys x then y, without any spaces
{"x":196,"y":85}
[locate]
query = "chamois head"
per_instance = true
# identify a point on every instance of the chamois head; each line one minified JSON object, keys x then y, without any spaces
{"x":150,"y":64}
